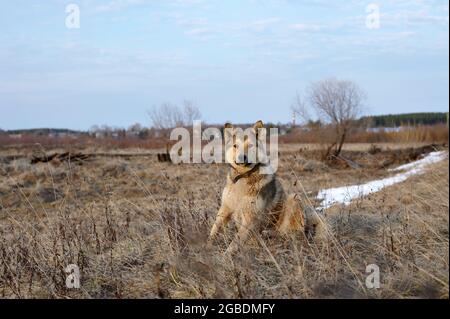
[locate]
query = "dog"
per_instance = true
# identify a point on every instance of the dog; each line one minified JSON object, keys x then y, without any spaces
{"x":256,"y":201}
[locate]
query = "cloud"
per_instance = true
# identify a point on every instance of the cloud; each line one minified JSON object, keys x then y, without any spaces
{"x":188,"y":2}
{"x":303,"y":27}
{"x":262,"y":25}
{"x":117,"y":5}
{"x":192,"y":23}
{"x":199,"y":31}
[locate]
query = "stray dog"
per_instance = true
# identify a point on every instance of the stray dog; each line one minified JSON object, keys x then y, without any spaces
{"x":255,"y":201}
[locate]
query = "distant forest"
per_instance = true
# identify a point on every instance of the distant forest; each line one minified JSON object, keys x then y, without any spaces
{"x":389,"y":120}
{"x":44,"y":131}
{"x":395,"y":120}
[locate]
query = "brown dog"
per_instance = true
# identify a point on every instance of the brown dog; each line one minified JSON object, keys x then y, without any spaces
{"x":256,"y":201}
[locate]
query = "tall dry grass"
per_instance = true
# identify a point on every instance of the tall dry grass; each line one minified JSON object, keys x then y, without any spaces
{"x":138,"y":230}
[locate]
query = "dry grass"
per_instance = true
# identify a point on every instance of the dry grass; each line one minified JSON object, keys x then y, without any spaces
{"x":413,"y":134}
{"x":313,"y":138}
{"x":419,"y":134}
{"x":81,"y":141}
{"x":137,"y":229}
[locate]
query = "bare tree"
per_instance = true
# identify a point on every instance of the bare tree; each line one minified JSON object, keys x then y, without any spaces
{"x":94,"y":130}
{"x":300,"y":109}
{"x":191,"y":112}
{"x":134,"y":130}
{"x":336,"y":103}
{"x":167,"y":115}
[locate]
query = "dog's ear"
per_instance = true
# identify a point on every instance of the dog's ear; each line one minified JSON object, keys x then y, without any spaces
{"x":258,"y":125}
{"x":228,"y":132}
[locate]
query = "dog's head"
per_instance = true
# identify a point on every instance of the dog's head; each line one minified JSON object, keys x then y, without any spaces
{"x":242,"y":150}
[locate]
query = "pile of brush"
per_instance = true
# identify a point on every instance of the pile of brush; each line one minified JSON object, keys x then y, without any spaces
{"x":61,"y":157}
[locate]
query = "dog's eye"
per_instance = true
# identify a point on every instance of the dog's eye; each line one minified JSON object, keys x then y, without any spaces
{"x":235,"y":146}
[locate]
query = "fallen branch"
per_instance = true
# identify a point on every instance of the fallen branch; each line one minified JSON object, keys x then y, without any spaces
{"x":63,"y":157}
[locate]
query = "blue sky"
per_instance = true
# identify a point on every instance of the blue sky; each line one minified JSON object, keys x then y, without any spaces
{"x":237,"y":60}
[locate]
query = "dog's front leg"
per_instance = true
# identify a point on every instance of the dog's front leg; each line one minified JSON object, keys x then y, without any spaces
{"x":244,"y":230}
{"x":223,"y":216}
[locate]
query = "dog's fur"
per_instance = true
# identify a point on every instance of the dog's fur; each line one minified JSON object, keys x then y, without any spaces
{"x":257,"y":201}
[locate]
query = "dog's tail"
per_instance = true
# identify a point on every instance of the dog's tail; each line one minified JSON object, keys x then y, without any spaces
{"x":297,"y":216}
{"x":292,"y":219}
{"x":315,"y":224}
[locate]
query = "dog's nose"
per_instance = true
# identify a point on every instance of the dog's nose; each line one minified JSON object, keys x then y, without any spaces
{"x":243,"y":159}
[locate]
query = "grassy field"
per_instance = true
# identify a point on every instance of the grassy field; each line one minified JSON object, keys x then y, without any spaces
{"x":137,"y":228}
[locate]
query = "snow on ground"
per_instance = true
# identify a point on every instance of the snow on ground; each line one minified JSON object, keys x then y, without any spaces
{"x":344,"y":195}
{"x":431,"y":158}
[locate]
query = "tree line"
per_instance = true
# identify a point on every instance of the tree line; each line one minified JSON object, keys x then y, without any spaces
{"x":406,"y":119}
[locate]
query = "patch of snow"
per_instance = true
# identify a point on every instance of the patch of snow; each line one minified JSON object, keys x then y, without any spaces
{"x":431,"y":158}
{"x":345,"y":195}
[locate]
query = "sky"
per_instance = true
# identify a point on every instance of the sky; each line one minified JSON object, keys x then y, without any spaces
{"x":237,"y":60}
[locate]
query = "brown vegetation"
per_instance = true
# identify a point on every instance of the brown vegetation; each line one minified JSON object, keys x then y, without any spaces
{"x":416,"y":134}
{"x":137,"y":228}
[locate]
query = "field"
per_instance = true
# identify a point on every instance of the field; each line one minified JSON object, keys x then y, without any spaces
{"x":137,"y":228}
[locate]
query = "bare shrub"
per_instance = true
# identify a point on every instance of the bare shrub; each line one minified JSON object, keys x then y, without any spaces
{"x":167,"y":115}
